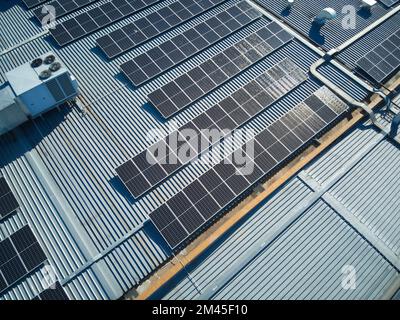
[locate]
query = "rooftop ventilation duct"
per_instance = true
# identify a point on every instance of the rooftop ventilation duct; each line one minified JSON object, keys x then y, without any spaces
{"x":289,"y":4}
{"x":324,"y":16}
{"x":367,"y":4}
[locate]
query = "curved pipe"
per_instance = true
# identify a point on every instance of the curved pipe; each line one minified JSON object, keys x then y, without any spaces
{"x":341,"y":93}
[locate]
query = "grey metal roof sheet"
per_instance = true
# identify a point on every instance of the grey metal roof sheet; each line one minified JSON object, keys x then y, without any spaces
{"x":332,"y":34}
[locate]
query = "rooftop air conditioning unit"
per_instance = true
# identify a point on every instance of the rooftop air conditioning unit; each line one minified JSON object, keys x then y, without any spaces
{"x":34,"y":88}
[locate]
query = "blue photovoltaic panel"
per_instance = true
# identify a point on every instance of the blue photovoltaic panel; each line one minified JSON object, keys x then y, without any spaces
{"x":8,"y":202}
{"x":186,"y":212}
{"x":33,"y":3}
{"x":97,"y":18}
{"x":196,"y":83}
{"x":20,"y":254}
{"x":172,"y":52}
{"x":55,"y":292}
{"x":152,"y":25}
{"x":389,"y":3}
{"x":62,"y":7}
{"x":143,"y":172}
{"x":382,"y":61}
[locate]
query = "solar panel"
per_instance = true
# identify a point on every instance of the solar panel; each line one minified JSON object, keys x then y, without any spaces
{"x":382,"y":61}
{"x":201,"y":80}
{"x":33,"y":3}
{"x":8,"y":203}
{"x":172,"y":52}
{"x":20,"y":254}
{"x":144,"y":171}
{"x":152,"y":25}
{"x":97,"y":18}
{"x":389,"y":3}
{"x":55,"y":292}
{"x":62,"y":7}
{"x":190,"y":209}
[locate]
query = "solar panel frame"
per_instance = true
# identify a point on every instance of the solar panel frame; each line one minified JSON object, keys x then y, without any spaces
{"x":33,"y":3}
{"x":20,"y":254}
{"x":139,"y":185}
{"x":143,"y":68}
{"x":265,"y":162}
{"x":8,"y":202}
{"x":251,"y":49}
{"x":97,"y":18}
{"x":146,"y":28}
{"x":383,"y":60}
{"x":54,"y":293}
{"x":62,"y":7}
{"x":389,"y":3}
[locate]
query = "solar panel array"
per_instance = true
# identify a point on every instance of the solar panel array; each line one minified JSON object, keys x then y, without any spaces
{"x":20,"y":254}
{"x":389,"y":3}
{"x":145,"y":171}
{"x":97,"y":18}
{"x":201,"y":80}
{"x":383,"y":60}
{"x":8,"y":203}
{"x":33,"y":3}
{"x":172,"y":52}
{"x":152,"y":25}
{"x":55,"y":292}
{"x":183,"y":214}
{"x":62,"y":7}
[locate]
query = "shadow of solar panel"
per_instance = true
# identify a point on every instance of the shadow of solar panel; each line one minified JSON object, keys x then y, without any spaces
{"x":19,"y":255}
{"x":143,"y":67}
{"x":225,"y":182}
{"x":97,"y":18}
{"x":219,"y":69}
{"x":54,"y":292}
{"x":8,"y":202}
{"x":152,"y":25}
{"x":62,"y":7}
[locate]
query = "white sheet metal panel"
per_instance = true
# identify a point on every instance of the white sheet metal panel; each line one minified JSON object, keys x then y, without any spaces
{"x":370,"y":192}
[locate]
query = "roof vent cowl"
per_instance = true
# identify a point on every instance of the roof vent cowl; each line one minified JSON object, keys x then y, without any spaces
{"x":324,"y":16}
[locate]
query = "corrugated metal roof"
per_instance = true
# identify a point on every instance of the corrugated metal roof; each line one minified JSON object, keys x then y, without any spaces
{"x":333,"y":33}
